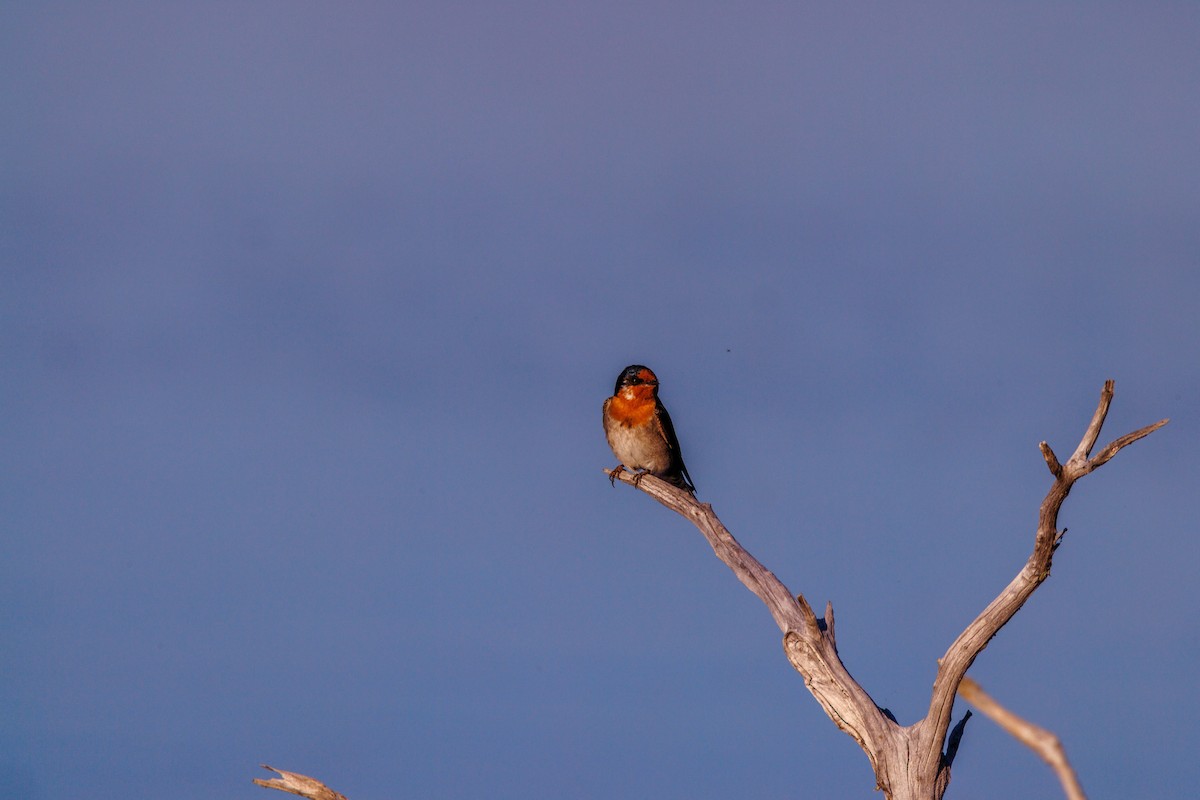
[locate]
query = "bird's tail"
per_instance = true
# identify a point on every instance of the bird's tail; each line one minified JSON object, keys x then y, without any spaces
{"x":680,"y":479}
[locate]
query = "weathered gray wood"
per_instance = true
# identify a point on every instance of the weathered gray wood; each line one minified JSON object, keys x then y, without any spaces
{"x":302,"y":785}
{"x":913,"y":762}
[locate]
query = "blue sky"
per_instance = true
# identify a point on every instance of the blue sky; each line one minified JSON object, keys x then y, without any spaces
{"x":308,"y":313}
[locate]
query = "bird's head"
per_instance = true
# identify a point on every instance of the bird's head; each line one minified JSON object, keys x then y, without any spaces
{"x":636,"y":375}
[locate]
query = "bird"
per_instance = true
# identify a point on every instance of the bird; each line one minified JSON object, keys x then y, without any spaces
{"x":640,"y":432}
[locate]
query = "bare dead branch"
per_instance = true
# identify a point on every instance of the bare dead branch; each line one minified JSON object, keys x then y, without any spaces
{"x":811,"y":650}
{"x":971,"y":642}
{"x":909,"y":762}
{"x":785,"y":609}
{"x":1044,"y":743}
{"x":299,"y":784}
{"x":1093,"y":429}
{"x":1114,"y":446}
{"x":1051,"y":460}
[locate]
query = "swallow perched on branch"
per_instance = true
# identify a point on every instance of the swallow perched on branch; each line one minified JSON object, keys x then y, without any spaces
{"x":640,"y":432}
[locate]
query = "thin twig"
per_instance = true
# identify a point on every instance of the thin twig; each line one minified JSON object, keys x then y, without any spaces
{"x":1051,"y":460}
{"x":1044,"y":743}
{"x":299,"y":784}
{"x":1115,"y":445}
{"x":1093,"y":429}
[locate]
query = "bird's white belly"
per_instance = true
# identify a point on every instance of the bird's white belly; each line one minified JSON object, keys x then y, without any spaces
{"x":639,"y":450}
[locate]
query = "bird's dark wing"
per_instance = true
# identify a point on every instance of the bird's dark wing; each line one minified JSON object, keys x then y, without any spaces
{"x":678,"y":473}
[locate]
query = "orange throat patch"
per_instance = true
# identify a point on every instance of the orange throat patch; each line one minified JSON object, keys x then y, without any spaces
{"x":633,"y":406}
